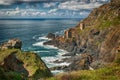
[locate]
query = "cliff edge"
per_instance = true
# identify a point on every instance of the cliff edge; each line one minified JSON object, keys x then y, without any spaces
{"x":19,"y":65}
{"x":96,"y":39}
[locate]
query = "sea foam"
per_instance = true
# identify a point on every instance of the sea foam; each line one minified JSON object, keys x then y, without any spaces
{"x":50,"y":60}
{"x":57,"y":71}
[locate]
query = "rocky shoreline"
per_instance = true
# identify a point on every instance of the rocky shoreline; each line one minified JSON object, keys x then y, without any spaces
{"x":94,"y":42}
{"x":73,"y":59}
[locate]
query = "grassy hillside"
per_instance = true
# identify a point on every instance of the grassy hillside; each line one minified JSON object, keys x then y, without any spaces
{"x":18,"y":65}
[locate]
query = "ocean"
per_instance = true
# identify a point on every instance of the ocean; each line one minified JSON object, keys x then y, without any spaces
{"x":33,"y":35}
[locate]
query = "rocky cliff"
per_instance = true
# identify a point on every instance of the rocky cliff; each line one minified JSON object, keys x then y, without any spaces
{"x":97,"y":36}
{"x":23,"y":65}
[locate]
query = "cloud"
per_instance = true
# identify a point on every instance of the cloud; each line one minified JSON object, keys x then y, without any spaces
{"x":47,"y":5}
{"x":17,"y":8}
{"x":9,"y":2}
{"x":43,"y":13}
{"x":22,"y":12}
{"x":52,"y":11}
{"x":33,"y":13}
{"x":77,"y":5}
{"x":6,"y":2}
{"x":48,"y":8}
{"x":84,"y":13}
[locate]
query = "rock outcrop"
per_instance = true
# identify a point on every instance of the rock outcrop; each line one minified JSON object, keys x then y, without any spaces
{"x":97,"y":35}
{"x":13,"y":43}
{"x":26,"y":64}
{"x":51,"y":36}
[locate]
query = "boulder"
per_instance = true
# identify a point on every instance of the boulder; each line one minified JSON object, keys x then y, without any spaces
{"x":59,"y":67}
{"x":81,"y":62}
{"x":12,"y":43}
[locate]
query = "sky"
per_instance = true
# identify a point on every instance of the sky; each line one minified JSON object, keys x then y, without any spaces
{"x":48,"y":8}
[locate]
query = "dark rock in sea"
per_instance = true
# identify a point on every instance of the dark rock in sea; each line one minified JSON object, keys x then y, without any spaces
{"x":50,"y":42}
{"x":68,"y":54}
{"x":13,"y":43}
{"x":59,"y":68}
{"x":67,"y":60}
{"x":51,"y":36}
{"x":77,"y":62}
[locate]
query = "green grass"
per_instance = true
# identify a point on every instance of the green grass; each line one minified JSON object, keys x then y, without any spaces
{"x":14,"y":76}
{"x":108,"y":73}
{"x":117,"y":59}
{"x":5,"y":53}
{"x":5,"y":75}
{"x":107,"y":20}
{"x":34,"y":65}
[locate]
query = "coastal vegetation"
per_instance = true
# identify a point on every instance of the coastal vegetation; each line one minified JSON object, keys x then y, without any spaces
{"x":16,"y":64}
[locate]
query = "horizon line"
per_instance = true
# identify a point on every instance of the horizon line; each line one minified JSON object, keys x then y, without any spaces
{"x":36,"y":18}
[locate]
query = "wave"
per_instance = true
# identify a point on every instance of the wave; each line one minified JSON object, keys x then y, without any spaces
{"x":57,"y":71}
{"x":45,"y":46}
{"x":50,"y":47}
{"x":61,"y":52}
{"x":44,"y":38}
{"x":37,"y":37}
{"x":39,"y":43}
{"x":62,"y":64}
{"x":58,"y":56}
{"x":40,"y":51}
{"x":49,"y":60}
{"x":59,"y":32}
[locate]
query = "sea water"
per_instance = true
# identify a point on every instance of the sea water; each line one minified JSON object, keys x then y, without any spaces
{"x":33,"y":35}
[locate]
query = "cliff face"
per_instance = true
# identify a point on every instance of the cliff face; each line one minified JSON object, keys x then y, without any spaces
{"x":24,"y":64}
{"x":98,"y":35}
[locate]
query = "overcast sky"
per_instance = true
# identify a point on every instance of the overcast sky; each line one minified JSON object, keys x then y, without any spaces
{"x":48,"y":8}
